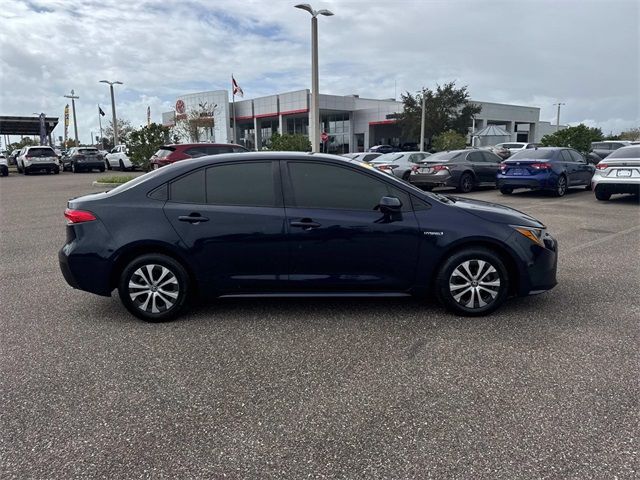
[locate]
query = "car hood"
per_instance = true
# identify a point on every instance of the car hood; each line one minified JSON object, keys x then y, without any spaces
{"x":494,"y":212}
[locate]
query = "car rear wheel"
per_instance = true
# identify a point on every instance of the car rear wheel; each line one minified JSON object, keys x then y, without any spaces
{"x":154,"y":287}
{"x":602,"y":195}
{"x":122,"y":168}
{"x":74,"y":169}
{"x":472,"y":282}
{"x":56,"y":170}
{"x":561,"y":186}
{"x":506,"y":190}
{"x":465,"y":185}
{"x":107,"y":165}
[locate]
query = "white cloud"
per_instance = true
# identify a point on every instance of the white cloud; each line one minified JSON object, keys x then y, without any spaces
{"x":526,"y":52}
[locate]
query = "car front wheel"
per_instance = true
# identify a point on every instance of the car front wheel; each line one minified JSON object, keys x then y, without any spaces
{"x":154,"y":287}
{"x":472,"y":282}
{"x":465,"y":185}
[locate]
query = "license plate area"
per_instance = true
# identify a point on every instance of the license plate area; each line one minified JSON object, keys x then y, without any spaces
{"x":623,"y":173}
{"x":517,"y":171}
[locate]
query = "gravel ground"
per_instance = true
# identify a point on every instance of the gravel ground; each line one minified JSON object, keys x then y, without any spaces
{"x":358,"y":388}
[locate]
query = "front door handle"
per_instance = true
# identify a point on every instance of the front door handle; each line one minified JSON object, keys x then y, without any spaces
{"x":193,"y":218}
{"x":306,"y":224}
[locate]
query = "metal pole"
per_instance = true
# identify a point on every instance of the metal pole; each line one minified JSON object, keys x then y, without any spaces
{"x":422,"y":124}
{"x":113,"y":110}
{"x":73,"y":97}
{"x":100,"y":123}
{"x":314,"y":114}
{"x":558,"y":116}
{"x":233,"y":113}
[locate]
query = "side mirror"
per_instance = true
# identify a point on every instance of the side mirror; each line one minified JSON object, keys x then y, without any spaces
{"x":389,"y":205}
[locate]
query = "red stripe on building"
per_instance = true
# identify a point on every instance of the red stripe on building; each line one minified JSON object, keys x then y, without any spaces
{"x":383,"y":122}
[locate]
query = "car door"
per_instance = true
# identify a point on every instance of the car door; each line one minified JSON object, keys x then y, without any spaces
{"x":339,"y":240}
{"x":491,"y":166}
{"x":230,"y":218}
{"x":584,"y":171}
{"x":480,"y":167}
{"x":571,"y":167}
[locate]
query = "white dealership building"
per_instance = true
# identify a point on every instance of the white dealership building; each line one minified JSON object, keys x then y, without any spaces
{"x":352,"y":123}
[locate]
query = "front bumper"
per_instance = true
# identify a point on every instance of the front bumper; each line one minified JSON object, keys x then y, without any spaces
{"x":539,"y":264}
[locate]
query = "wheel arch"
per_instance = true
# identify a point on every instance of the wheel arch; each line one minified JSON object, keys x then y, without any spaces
{"x":505,"y":254}
{"x":126,"y":254}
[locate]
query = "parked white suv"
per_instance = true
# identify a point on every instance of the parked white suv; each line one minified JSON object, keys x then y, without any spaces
{"x":38,"y":158}
{"x":4,"y":165}
{"x":118,"y":157}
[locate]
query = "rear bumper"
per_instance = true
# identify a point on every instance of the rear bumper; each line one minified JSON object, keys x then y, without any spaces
{"x":616,"y":184}
{"x":85,"y":272}
{"x":431,"y":180}
{"x":527,"y":181}
{"x":31,"y":166}
{"x":92,"y":164}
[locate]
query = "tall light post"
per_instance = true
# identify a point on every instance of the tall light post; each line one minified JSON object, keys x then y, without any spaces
{"x":113,"y":109}
{"x":422,"y":123}
{"x":558,"y":116}
{"x":314,"y":110}
{"x":73,"y":98}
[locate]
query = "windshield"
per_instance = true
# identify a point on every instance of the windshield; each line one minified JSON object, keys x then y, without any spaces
{"x":538,"y":154}
{"x":626,"y":152}
{"x":443,"y":156}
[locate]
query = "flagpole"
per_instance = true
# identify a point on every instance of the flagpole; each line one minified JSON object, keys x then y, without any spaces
{"x":100,"y":122}
{"x":233,"y":108}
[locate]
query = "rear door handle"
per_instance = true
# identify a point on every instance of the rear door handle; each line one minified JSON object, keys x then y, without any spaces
{"x":193,"y":218}
{"x":305,"y":224}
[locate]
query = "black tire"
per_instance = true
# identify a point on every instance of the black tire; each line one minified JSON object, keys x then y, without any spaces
{"x":456,"y":296}
{"x":25,"y":171}
{"x":406,"y":176}
{"x":5,"y":172}
{"x":561,"y":187}
{"x":587,"y":187}
{"x":122,"y":168}
{"x":139,"y":302}
{"x":465,"y":184}
{"x":18,"y":168}
{"x":107,"y":164}
{"x":506,"y":190}
{"x":74,"y":169}
{"x":101,"y":169}
{"x":56,"y":171}
{"x":602,"y":195}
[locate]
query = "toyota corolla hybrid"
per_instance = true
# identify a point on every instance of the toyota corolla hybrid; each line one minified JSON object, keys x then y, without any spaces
{"x":297,"y":224}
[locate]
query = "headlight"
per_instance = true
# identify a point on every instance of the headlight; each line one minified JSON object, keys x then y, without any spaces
{"x":532,"y":233}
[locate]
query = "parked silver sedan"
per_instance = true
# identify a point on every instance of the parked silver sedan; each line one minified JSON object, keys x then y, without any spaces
{"x":400,"y":164}
{"x":618,"y":173}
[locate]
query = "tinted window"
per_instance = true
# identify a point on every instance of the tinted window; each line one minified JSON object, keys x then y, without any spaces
{"x":475,"y":157}
{"x":248,"y":184}
{"x":576,"y":156}
{"x":41,"y":152}
{"x":539,"y":154}
{"x":189,"y":189}
{"x":195,"y":152}
{"x":491,"y":158}
{"x":389,"y":158}
{"x":445,"y":156}
{"x":328,"y":186}
{"x":626,"y":152}
{"x":566,"y":156}
{"x":164,"y":152}
{"x":600,"y":146}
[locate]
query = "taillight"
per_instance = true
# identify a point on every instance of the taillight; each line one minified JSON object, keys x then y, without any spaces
{"x":439,"y":168}
{"x":387,"y":167}
{"x":541,"y":166}
{"x":78,"y":216}
{"x":414,"y":168}
{"x":602,"y":166}
{"x":503,"y":167}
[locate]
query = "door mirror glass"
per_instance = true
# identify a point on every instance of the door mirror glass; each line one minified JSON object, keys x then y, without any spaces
{"x":389,"y":204}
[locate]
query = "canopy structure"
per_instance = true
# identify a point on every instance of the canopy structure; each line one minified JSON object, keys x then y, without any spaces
{"x":490,"y":135}
{"x":27,"y":126}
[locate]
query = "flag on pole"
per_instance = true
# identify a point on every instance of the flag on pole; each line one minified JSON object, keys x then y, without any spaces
{"x":100,"y":111}
{"x":236,"y":88}
{"x":148,"y":115}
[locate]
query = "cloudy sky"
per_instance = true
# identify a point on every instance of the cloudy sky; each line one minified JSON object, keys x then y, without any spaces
{"x":584,"y":53}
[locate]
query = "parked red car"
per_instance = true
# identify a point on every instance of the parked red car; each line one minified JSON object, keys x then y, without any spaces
{"x":167,"y":154}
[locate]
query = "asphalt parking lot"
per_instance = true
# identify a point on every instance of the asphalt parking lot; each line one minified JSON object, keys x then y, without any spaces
{"x":547,"y":387}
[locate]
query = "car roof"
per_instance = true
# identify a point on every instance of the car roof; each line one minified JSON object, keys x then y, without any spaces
{"x":176,"y":145}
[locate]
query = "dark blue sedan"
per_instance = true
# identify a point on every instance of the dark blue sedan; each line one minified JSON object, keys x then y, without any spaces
{"x":297,"y":224}
{"x":547,"y":168}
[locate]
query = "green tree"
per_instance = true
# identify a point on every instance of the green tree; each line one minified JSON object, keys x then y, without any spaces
{"x":633,"y":134}
{"x":290,"y":143}
{"x":144,"y":142}
{"x":124,"y":129}
{"x":579,"y":137}
{"x":25,"y":142}
{"x":446,"y":108}
{"x":449,"y":140}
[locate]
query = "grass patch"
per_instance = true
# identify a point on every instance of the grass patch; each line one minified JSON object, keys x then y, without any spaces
{"x":116,"y":179}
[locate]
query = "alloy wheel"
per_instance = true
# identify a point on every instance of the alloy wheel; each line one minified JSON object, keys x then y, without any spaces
{"x":562,"y":186}
{"x":153,"y":288}
{"x":474,"y":284}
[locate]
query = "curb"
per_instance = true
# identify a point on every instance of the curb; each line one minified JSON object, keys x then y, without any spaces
{"x":104,"y":184}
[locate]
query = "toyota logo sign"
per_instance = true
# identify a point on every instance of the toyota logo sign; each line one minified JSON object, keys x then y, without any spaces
{"x":180,"y":107}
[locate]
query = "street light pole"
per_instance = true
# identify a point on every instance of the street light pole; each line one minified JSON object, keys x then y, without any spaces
{"x":73,"y":98}
{"x":558,"y":116}
{"x":422,"y":124}
{"x":314,"y":108}
{"x":113,"y":110}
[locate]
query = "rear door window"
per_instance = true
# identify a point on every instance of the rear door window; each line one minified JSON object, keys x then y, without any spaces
{"x":491,"y":158}
{"x":566,"y":156}
{"x":189,"y":188}
{"x":475,"y":157}
{"x":576,"y":156}
{"x":248,"y":184}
